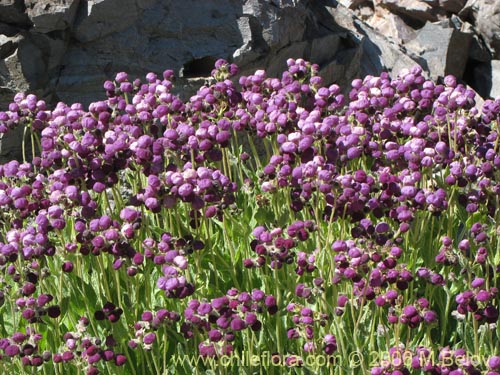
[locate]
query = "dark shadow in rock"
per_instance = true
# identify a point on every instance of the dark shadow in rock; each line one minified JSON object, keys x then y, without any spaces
{"x":198,"y":67}
{"x":478,"y":76}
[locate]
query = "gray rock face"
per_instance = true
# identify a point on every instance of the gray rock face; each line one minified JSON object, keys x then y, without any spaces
{"x":414,"y":10}
{"x":51,"y":15}
{"x":65,"y":49}
{"x":443,"y":55}
{"x":485,"y":14}
{"x":495,"y":79}
{"x":452,"y":6}
{"x":13,"y":12}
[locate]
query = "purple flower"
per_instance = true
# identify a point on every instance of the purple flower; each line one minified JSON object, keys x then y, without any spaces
{"x":237,"y":324}
{"x":494,"y":362}
{"x":149,"y":338}
{"x":120,"y":359}
{"x":129,"y":214}
{"x":12,"y":350}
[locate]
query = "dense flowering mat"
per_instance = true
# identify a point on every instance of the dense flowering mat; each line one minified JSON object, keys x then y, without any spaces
{"x":264,"y":227}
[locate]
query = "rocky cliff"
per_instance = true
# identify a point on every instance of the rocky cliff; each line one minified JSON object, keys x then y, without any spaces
{"x":65,"y":49}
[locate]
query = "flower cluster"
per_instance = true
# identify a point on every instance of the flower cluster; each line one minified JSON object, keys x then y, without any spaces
{"x":383,"y":198}
{"x":25,"y":346}
{"x":222,"y":317}
{"x":478,"y":302}
{"x":276,"y":245}
{"x":171,"y":253}
{"x":151,"y":321}
{"x":88,"y":351}
{"x":304,"y":320}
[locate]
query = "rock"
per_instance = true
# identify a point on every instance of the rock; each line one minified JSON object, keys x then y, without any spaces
{"x":346,"y":65}
{"x":100,"y":18}
{"x":485,"y":15}
{"x":452,"y":6}
{"x":365,"y":13}
{"x":487,"y":23}
{"x":7,"y":46}
{"x":485,"y":78}
{"x":380,"y":54}
{"x":376,"y":52}
{"x":8,"y":30}
{"x":278,"y":23}
{"x":11,"y":145}
{"x":413,"y":11}
{"x":444,"y":55}
{"x":324,"y":48}
{"x":51,"y":15}
{"x":391,"y":25}
{"x":12,"y":12}
{"x":495,"y":79}
{"x":253,"y":45}
{"x":352,"y":4}
{"x":65,"y":49}
{"x":479,"y":76}
{"x":25,"y":68}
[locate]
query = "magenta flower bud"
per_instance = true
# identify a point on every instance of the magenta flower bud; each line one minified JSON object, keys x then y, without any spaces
{"x":292,"y":334}
{"x":483,"y":296}
{"x":464,"y":245}
{"x":68,"y":356}
{"x":12,"y":350}
{"x":339,"y":246}
{"x":223,"y":322}
{"x":410,"y":311}
{"x":214,"y":335}
{"x":54,"y":311}
{"x":28,"y":314}
{"x":108,"y":355}
{"x":494,"y":362}
{"x":250,"y":319}
{"x":109,"y":86}
{"x":138,"y":259}
{"x":382,"y":227}
{"x":43,"y":299}
{"x":67,"y":267}
{"x":28,"y":289}
{"x":93,"y":357}
{"x":129,"y":214}
{"x":306,"y":311}
{"x":149,"y":338}
{"x":491,"y":314}
{"x":430,"y":316}
{"x":121,"y":77}
{"x":237,"y":324}
{"x":257,"y":295}
{"x":147,"y":316}
{"x":18,"y":337}
{"x":289,"y":147}
{"x":204,"y":308}
{"x":181,"y":262}
{"x":477,"y":282}
{"x":132,"y":344}
{"x":342,"y":300}
{"x":396,"y":251}
{"x":354,"y":152}
{"x":219,"y":303}
{"x":309,"y":347}
{"x":185,"y":190}
{"x":450,"y":81}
